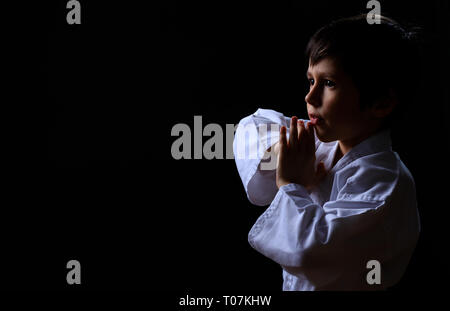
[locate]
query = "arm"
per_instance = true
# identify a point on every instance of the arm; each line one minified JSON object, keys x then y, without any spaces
{"x":320,"y":241}
{"x":255,"y":159}
{"x":256,"y":148}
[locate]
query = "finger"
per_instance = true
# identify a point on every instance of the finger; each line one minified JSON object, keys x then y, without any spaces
{"x":293,"y":133}
{"x":310,"y":130}
{"x":301,"y":130}
{"x":282,"y":140}
{"x":308,"y":127}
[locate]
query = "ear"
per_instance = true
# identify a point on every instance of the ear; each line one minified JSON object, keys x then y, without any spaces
{"x":384,"y":106}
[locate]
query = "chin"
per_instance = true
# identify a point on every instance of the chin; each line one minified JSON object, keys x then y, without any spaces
{"x":323,"y":137}
{"x":326,"y":140}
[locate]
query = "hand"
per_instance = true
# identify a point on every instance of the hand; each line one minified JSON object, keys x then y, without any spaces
{"x":297,"y":156}
{"x":276,"y":148}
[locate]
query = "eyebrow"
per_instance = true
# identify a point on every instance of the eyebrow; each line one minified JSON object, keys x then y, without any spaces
{"x":322,"y":74}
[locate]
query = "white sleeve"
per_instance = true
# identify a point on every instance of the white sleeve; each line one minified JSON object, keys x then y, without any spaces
{"x":294,"y":228}
{"x":257,"y":169}
{"x":254,"y":135}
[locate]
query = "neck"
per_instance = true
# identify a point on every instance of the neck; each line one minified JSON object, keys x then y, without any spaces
{"x":346,"y":145}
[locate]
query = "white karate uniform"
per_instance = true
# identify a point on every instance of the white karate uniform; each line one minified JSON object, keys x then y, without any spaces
{"x":364,"y":209}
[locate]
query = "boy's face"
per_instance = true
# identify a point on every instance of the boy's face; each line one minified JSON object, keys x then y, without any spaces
{"x":334,"y":100}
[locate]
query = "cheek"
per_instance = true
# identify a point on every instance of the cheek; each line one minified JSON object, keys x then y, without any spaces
{"x":332,"y":109}
{"x":341,"y":108}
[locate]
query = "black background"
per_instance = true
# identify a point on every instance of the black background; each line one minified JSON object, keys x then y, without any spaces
{"x":102,"y":187}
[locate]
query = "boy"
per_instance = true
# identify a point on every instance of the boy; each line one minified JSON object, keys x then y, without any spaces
{"x":339,"y":196}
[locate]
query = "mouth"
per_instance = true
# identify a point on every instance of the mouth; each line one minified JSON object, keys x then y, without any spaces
{"x":315,"y":118}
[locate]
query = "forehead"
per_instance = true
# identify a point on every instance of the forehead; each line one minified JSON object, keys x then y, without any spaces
{"x":326,"y":66}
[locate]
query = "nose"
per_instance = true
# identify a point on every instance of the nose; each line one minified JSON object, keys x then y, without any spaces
{"x":313,"y":97}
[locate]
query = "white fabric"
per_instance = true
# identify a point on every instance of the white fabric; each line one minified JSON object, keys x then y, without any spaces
{"x":365,"y":209}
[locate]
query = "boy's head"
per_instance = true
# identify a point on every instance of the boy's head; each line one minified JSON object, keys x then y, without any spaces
{"x":361,"y":75}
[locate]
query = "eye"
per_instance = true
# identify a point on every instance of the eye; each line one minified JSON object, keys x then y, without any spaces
{"x":329,"y":83}
{"x":311,"y":81}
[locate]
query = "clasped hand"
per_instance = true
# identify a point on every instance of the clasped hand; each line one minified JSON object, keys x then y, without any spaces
{"x":297,"y":156}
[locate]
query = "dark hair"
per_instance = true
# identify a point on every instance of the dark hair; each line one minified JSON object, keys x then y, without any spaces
{"x":380,"y":58}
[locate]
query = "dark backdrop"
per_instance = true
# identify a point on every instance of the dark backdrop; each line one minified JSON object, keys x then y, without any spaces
{"x":105,"y":189}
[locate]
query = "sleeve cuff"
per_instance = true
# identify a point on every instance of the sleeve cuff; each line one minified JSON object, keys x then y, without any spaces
{"x":296,"y":190}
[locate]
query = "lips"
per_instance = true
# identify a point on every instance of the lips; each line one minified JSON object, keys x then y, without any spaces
{"x":315,"y":118}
